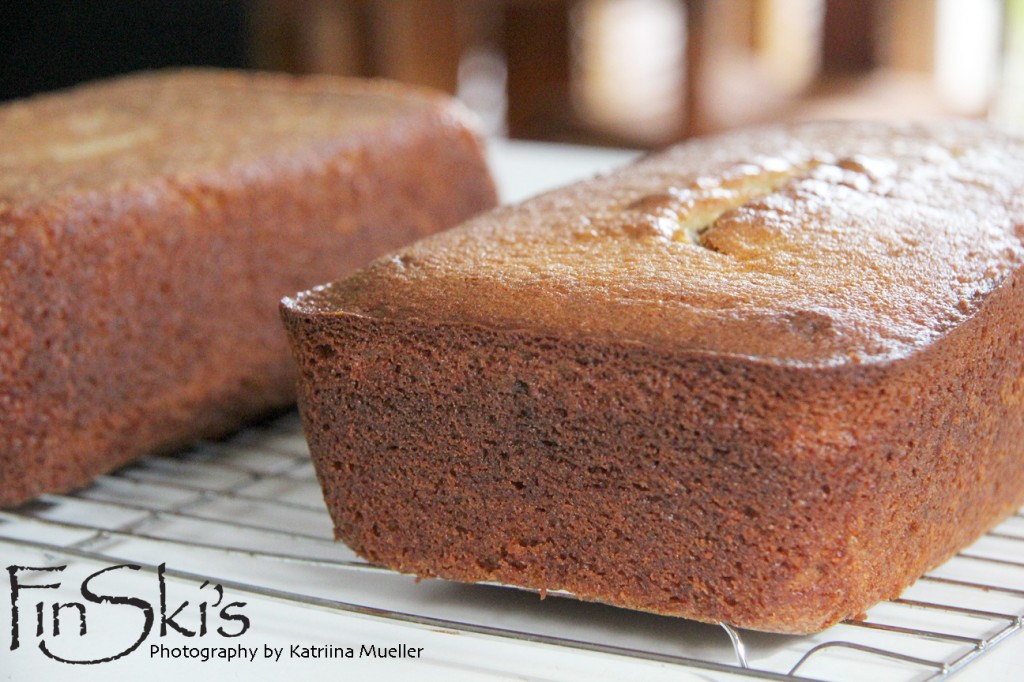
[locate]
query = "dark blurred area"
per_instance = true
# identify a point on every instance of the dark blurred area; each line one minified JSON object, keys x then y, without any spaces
{"x":639,"y":73}
{"x":50,"y":44}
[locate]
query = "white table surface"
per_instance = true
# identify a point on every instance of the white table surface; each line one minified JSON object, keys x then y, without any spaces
{"x":521,"y":169}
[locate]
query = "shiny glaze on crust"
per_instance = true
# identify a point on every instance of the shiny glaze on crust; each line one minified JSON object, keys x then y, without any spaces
{"x":814,"y":244}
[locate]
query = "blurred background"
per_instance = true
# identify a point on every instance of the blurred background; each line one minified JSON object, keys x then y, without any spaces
{"x":635,"y":73}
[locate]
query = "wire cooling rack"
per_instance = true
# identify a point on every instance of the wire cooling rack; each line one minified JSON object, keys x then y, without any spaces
{"x":248,"y":512}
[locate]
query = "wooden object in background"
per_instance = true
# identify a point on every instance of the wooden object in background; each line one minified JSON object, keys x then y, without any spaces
{"x":874,"y":59}
{"x":536,"y":41}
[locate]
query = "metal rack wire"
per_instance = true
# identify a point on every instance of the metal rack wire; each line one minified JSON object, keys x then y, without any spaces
{"x":253,"y":501}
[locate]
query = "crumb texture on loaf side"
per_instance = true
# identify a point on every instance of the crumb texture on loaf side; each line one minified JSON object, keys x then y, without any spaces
{"x":769,"y":497}
{"x":148,"y":227}
{"x":768,"y":403}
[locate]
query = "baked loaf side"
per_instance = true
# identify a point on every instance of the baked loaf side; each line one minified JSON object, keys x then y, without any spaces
{"x":766,"y":379}
{"x":149,"y":224}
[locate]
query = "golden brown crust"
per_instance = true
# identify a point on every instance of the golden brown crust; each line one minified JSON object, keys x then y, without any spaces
{"x":139,"y":279}
{"x":753,"y":479}
{"x":813,"y":244}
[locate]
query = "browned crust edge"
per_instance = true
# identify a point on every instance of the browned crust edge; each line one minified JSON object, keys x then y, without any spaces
{"x":720,"y":489}
{"x":143,"y":318}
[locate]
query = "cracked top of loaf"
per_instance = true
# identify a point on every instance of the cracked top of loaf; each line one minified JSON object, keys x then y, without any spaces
{"x":178,"y":123}
{"x":810,"y":245}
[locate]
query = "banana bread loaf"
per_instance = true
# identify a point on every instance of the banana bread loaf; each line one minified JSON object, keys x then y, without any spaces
{"x":148,"y":227}
{"x":767,"y":378}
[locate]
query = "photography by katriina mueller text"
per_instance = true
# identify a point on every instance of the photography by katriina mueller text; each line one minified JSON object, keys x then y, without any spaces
{"x":109,"y":613}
